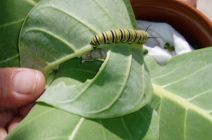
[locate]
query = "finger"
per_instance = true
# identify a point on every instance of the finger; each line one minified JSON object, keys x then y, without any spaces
{"x":5,"y":118}
{"x":14,"y":123}
{"x":23,"y":111}
{"x":20,"y":86}
{"x":3,"y":133}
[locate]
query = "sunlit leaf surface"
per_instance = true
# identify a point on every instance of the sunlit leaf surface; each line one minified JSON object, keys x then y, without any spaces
{"x":183,"y":90}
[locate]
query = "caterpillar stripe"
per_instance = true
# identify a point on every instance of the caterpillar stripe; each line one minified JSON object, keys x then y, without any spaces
{"x":120,"y":35}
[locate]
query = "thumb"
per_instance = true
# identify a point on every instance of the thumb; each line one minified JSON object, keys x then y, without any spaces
{"x":20,"y":86}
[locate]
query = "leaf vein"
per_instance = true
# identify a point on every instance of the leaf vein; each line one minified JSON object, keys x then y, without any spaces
{"x":185,"y":126}
{"x":121,"y":89}
{"x":126,"y":128}
{"x":159,"y":91}
{"x":11,"y":23}
{"x":9,"y":58}
{"x":89,"y":84}
{"x":71,"y":46}
{"x":164,"y":75}
{"x":186,"y":77}
{"x":73,"y":17}
{"x":77,"y":127}
{"x":200,"y":94}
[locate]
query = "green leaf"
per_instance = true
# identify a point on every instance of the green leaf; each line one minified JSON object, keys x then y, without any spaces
{"x":56,"y":31}
{"x":45,"y":122}
{"x":182,"y":88}
{"x":49,"y":123}
{"x":12,"y":13}
{"x":130,"y":12}
{"x":114,"y":91}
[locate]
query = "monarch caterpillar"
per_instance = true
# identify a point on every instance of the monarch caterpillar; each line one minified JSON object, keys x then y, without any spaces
{"x":120,"y":35}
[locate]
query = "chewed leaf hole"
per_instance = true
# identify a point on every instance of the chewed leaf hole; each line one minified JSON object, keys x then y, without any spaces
{"x":78,"y":70}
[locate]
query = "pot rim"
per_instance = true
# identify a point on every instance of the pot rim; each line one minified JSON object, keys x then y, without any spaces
{"x":193,"y":24}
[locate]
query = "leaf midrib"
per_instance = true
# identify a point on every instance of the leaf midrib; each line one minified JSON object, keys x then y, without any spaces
{"x":76,"y":128}
{"x":54,"y":64}
{"x":163,"y":93}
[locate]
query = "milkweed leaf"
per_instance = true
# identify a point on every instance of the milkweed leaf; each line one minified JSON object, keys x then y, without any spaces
{"x":12,"y":13}
{"x":141,"y":125}
{"x":56,"y":31}
{"x":182,"y":89}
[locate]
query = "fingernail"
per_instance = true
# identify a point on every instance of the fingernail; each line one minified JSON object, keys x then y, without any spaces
{"x":25,"y":81}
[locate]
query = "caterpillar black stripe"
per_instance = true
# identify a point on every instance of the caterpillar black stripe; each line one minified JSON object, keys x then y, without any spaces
{"x":120,"y":35}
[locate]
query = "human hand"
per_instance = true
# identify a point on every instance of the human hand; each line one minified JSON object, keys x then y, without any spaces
{"x":19,"y":88}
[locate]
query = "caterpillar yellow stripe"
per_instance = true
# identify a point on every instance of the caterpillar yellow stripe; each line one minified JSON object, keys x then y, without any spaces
{"x":118,"y":36}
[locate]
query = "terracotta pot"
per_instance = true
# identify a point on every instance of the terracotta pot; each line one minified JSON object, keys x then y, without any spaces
{"x":195,"y":26}
{"x":190,"y":2}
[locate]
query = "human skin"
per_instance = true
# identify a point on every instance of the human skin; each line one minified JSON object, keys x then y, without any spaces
{"x":19,"y":88}
{"x":17,"y":95}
